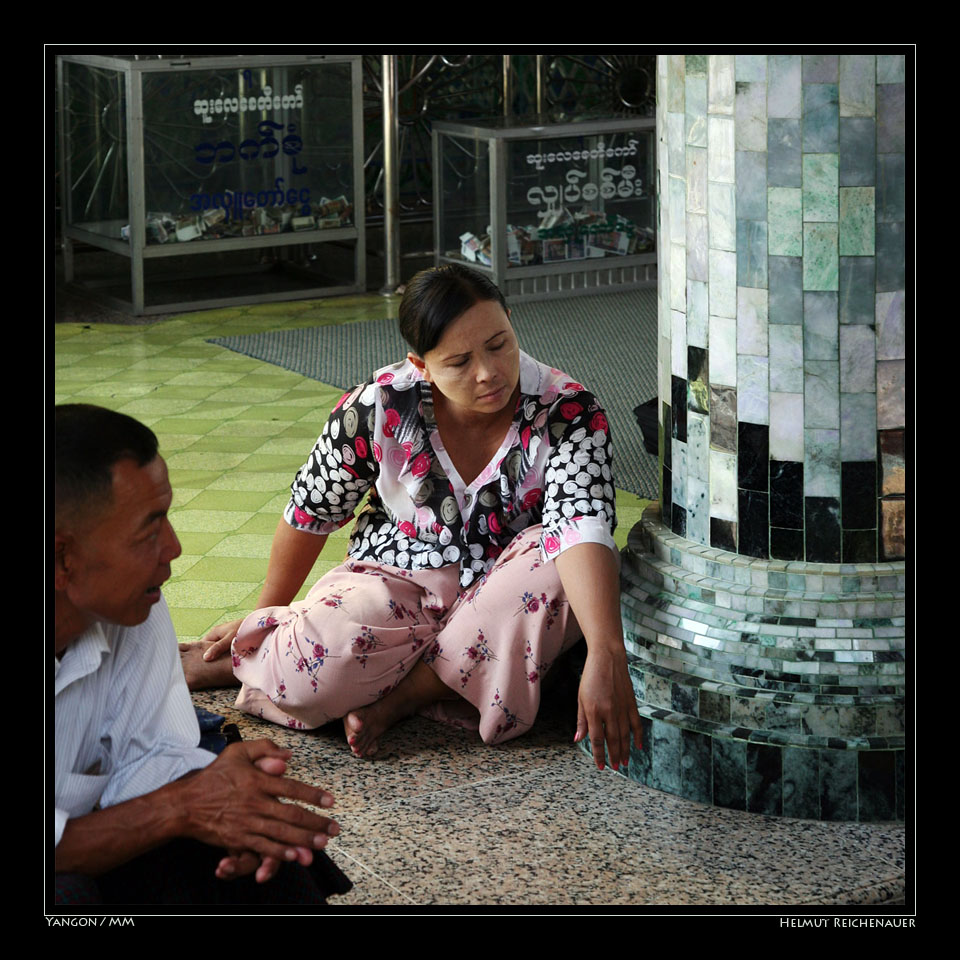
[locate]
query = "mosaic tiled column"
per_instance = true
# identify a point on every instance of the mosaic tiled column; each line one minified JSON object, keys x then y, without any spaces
{"x":764,"y":602}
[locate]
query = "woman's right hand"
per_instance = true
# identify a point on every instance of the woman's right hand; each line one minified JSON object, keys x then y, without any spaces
{"x":220,"y":637}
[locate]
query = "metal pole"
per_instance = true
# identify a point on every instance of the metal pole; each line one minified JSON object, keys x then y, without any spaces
{"x":507,"y":86}
{"x":391,"y":185}
{"x":539,"y":83}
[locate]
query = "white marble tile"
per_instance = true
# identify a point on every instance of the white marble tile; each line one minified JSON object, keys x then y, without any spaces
{"x":751,"y":115}
{"x":786,"y":357}
{"x":753,"y":389}
{"x":697,"y":314}
{"x":676,"y":145}
{"x":721,"y":149}
{"x":723,"y":485}
{"x":696,"y":110}
{"x":821,"y":463}
{"x":857,"y":85}
{"x":858,"y":362}
{"x":678,"y":343}
{"x":698,"y":511}
{"x":752,"y":321}
{"x":721,"y":84}
{"x":696,"y":174}
{"x":678,"y":475}
{"x":677,"y":204}
{"x":697,"y":247}
{"x":858,"y":426}
{"x":698,"y":446}
{"x":821,"y":388}
{"x":784,"y":86}
{"x":820,"y":325}
{"x":890,"y":326}
{"x":663,"y":364}
{"x":723,"y":283}
{"x":786,"y":426}
{"x":751,"y":66}
{"x":723,"y":350}
{"x":722,"y":207}
{"x":678,"y":275}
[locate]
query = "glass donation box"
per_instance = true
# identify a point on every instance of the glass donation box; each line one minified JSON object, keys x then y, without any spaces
{"x":549,"y":209}
{"x":253,"y":162}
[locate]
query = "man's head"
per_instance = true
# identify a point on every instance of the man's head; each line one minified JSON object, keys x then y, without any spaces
{"x":113,"y":541}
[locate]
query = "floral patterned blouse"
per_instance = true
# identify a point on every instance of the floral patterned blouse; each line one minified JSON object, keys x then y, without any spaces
{"x":553,"y":468}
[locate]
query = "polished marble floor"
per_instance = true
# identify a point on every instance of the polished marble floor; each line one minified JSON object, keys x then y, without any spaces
{"x":438,"y":818}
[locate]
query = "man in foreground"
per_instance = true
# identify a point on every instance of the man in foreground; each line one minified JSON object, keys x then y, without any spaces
{"x":140,"y":808}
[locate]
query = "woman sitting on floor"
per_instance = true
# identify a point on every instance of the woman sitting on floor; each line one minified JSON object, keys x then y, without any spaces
{"x":485,"y":549}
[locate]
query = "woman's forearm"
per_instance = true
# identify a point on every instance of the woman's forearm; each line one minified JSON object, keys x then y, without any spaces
{"x":292,"y":556}
{"x":590,"y":576}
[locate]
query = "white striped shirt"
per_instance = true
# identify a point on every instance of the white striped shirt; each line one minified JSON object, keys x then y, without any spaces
{"x":125,"y":725}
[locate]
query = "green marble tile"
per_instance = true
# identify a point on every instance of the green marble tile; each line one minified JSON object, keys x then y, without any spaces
{"x":228,"y":444}
{"x":193,"y":478}
{"x":262,"y":523}
{"x":820,"y":257}
{"x":243,"y":545}
{"x":208,"y":521}
{"x":247,"y":501}
{"x":696,"y":64}
{"x":784,"y":221}
{"x":821,"y":177}
{"x":275,"y":463}
{"x":857,"y":221}
{"x":192,"y":624}
{"x":857,"y":85}
{"x":199,"y":543}
{"x":244,"y":570}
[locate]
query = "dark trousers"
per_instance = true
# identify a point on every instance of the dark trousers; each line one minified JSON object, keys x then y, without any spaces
{"x":182,"y":873}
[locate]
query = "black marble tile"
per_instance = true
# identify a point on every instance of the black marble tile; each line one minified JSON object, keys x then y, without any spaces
{"x":890,"y":256}
{"x":821,"y":116}
{"x":786,"y":544}
{"x":723,"y":534}
{"x":786,"y":494}
{"x":838,"y":784}
{"x":891,"y":184}
{"x":714,"y":706}
{"x":640,"y":760}
{"x":822,"y":523}
{"x":683,"y":699}
{"x":666,"y":494}
{"x":730,"y":774}
{"x":753,"y":463}
{"x":753,"y":525}
{"x":859,"y":546}
{"x":877,"y":785}
{"x":698,"y":378}
{"x":764,"y":779}
{"x":667,"y":419}
{"x":785,"y":289}
{"x":665,"y":768}
{"x":858,"y":290}
{"x":891,"y":132}
{"x":696,"y":768}
{"x":900,"y":771}
{"x":858,"y":493}
{"x":784,"y":166}
{"x":858,"y":151}
{"x":678,"y":390}
{"x":678,"y":522}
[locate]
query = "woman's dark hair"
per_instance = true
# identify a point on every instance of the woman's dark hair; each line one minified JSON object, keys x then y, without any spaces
{"x":434,"y":298}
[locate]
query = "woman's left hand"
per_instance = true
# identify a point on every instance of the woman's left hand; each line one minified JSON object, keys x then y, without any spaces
{"x":607,"y":706}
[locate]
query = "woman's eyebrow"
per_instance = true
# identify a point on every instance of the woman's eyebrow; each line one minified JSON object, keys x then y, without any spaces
{"x":456,"y":356}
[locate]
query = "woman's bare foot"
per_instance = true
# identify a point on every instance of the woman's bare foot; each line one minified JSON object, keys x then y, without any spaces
{"x":201,"y":674}
{"x":417,"y":689}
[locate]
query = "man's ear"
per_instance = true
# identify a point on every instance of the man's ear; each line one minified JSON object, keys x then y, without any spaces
{"x":62,"y":559}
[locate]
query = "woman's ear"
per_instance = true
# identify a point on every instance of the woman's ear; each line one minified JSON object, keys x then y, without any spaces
{"x":419,"y":363}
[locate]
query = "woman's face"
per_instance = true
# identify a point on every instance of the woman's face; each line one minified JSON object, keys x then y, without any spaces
{"x":476,"y":364}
